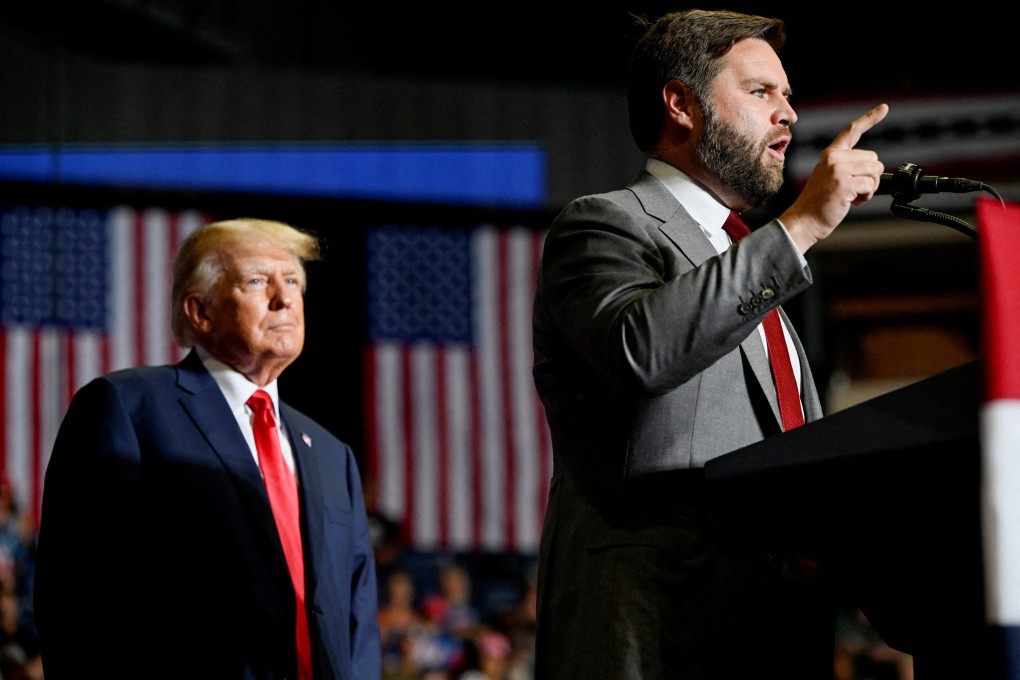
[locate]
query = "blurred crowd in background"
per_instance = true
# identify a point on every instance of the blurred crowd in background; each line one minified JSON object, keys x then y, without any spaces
{"x":441,"y":616}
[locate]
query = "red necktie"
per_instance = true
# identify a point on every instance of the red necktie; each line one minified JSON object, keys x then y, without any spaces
{"x":283,"y":497}
{"x":779,"y":356}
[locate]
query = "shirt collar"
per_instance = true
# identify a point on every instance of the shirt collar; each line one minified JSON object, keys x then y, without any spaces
{"x":702,"y":206}
{"x":234,"y":385}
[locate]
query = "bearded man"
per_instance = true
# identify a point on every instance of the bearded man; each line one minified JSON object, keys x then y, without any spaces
{"x":654,"y":336}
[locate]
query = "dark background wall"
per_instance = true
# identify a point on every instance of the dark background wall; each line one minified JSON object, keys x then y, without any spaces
{"x":130,"y":71}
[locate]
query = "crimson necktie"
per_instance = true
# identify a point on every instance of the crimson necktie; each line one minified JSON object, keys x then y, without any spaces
{"x":790,"y":409}
{"x":283,"y":497}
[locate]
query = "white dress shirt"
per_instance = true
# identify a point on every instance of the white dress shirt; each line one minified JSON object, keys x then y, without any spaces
{"x":237,"y":389}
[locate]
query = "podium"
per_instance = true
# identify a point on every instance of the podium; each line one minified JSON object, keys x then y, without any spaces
{"x":886,"y":496}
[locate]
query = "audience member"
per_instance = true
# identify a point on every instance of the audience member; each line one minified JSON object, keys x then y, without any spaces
{"x":452,"y":607}
{"x":492,"y":657}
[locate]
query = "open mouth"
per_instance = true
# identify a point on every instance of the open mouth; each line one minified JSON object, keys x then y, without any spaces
{"x":778,"y":147}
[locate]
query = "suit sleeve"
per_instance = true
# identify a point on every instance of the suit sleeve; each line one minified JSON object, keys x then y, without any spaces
{"x":365,"y":640}
{"x":87,"y":580}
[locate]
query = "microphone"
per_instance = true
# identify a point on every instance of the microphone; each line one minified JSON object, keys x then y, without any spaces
{"x":908,"y":181}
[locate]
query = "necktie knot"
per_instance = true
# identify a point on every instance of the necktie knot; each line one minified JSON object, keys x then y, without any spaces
{"x":260,"y":401}
{"x":735,"y":227}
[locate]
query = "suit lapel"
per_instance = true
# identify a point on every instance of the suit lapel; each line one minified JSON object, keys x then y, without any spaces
{"x":204,"y":403}
{"x":809,"y":392}
{"x":677,"y":224}
{"x":306,"y":460}
{"x":312,"y":463}
{"x":754,"y":349}
{"x":208,"y":409}
{"x":682,"y":229}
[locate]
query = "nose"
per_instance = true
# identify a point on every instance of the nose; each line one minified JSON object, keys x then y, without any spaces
{"x":279,"y":296}
{"x":785,"y":115}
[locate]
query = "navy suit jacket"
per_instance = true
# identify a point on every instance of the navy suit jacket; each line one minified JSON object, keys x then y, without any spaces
{"x":158,"y":555}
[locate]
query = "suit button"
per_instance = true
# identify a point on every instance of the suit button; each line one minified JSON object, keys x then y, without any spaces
{"x":768,"y":293}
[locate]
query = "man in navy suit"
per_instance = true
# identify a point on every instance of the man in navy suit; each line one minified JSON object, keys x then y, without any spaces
{"x":158,"y":552}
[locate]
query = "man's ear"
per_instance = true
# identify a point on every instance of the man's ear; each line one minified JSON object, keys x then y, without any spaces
{"x":194,"y":309}
{"x":679,"y":104}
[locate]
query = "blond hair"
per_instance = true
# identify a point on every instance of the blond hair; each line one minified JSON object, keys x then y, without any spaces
{"x":199,"y":262}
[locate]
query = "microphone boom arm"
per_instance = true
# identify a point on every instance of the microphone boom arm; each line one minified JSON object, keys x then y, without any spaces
{"x":907,"y":184}
{"x":912,"y":212}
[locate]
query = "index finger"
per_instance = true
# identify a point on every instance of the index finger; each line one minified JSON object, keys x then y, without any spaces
{"x":852,"y":133}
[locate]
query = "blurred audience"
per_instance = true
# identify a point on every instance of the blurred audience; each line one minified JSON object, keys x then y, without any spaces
{"x":450,"y":633}
{"x":519,"y":624}
{"x":398,"y":612}
{"x":453,"y":632}
{"x":19,"y":646}
{"x":451,"y":608}
{"x":385,"y":533}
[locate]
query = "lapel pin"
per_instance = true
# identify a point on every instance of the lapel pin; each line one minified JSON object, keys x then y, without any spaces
{"x":306,"y":439}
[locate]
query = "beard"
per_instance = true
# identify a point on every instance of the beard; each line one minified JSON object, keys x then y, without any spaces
{"x":736,"y":160}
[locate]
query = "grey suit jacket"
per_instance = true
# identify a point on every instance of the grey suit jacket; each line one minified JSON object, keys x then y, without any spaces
{"x":646,"y":355}
{"x":649,"y":364}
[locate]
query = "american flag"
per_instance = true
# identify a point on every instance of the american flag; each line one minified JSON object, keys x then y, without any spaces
{"x":1000,"y":424}
{"x":82,"y":292}
{"x":458,"y":446}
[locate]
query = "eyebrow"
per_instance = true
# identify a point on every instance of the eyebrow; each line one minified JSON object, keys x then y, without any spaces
{"x":267,"y":270}
{"x":755,"y":82}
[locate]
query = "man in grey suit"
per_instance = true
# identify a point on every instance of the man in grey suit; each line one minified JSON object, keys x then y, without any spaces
{"x":162,"y":551}
{"x":649,"y":362}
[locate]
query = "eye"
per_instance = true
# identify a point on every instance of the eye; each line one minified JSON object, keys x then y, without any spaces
{"x":254,"y":282}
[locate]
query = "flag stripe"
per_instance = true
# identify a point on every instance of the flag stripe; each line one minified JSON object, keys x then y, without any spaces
{"x":89,"y":293}
{"x":443,"y":443}
{"x":528,"y":450}
{"x":140,"y":280}
{"x":1000,"y":417}
{"x":458,"y":415}
{"x":506,"y":383}
{"x":476,"y":452}
{"x":470,"y":443}
{"x":1000,"y":425}
{"x":38,"y":394}
{"x":489,"y":314}
{"x":542,"y":431}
